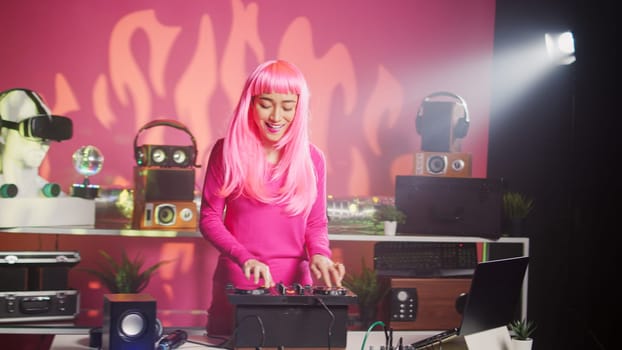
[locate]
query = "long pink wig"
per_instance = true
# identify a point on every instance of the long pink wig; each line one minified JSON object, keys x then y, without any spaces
{"x":246,"y":168}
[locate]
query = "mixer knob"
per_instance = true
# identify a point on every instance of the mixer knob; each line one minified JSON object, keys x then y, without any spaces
{"x":300,"y":290}
{"x":280,"y":287}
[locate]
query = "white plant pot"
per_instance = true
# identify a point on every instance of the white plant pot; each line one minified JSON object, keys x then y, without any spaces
{"x":390,"y":228}
{"x":522,"y":344}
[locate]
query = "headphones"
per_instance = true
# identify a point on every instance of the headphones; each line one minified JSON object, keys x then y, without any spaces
{"x":43,"y":125}
{"x":462,"y":126}
{"x":162,"y":155}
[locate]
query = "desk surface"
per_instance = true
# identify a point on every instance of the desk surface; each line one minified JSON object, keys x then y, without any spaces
{"x":88,"y":319}
{"x":355,"y":340}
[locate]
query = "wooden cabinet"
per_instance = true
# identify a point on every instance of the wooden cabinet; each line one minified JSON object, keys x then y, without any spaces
{"x":184,"y":286}
{"x":345,"y":244}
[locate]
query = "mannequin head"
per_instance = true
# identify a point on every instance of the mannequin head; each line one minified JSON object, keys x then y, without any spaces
{"x":20,"y":156}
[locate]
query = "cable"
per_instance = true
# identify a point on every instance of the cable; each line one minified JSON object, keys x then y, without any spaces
{"x":173,"y":340}
{"x":237,"y":328}
{"x":219,"y":337}
{"x":369,"y":330}
{"x":197,"y":342}
{"x":332,"y":320}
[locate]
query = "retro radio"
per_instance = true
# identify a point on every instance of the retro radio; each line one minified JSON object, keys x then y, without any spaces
{"x":445,"y":164}
{"x":164,"y":178}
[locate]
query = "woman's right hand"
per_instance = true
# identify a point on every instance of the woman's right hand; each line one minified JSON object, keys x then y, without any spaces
{"x":256,"y":269}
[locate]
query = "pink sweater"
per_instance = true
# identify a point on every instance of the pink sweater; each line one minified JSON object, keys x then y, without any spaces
{"x":251,"y":229}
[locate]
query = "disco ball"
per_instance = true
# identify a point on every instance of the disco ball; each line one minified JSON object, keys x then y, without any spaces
{"x":88,"y":160}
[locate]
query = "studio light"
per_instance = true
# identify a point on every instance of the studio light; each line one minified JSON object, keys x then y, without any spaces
{"x":560,"y":47}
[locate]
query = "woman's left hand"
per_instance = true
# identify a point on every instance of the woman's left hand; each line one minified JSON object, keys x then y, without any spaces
{"x":325,"y":269}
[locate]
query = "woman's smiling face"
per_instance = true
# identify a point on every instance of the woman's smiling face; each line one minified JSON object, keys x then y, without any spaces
{"x":273,"y":114}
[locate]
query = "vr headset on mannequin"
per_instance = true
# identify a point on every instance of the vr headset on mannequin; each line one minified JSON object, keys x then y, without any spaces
{"x":46,"y":127}
{"x":42,"y":125}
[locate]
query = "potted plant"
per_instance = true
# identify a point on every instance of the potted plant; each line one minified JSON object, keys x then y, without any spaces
{"x":124,"y":276}
{"x":390,"y":216}
{"x":369,"y":291}
{"x":520,"y":331}
{"x":516,"y":207}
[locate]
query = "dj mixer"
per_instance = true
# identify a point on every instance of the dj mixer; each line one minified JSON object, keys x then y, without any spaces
{"x":296,"y":294}
{"x":291,"y":315}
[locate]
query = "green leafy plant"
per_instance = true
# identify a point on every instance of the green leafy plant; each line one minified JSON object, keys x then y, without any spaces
{"x":124,"y":276}
{"x":368,"y":289}
{"x":516,"y":205}
{"x":522,"y":329}
{"x":388,"y":212}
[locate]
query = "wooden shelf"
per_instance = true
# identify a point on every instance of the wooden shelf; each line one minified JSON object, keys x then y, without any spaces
{"x":341,"y":236}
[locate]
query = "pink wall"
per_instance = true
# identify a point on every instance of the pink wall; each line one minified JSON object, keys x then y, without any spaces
{"x":112,"y":66}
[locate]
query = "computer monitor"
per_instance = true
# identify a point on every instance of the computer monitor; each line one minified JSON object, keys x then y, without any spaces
{"x":443,"y":206}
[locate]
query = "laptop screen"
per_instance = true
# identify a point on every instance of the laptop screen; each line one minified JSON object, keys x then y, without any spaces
{"x":493,"y":299}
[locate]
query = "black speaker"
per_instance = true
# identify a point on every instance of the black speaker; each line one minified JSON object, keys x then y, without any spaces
{"x":165,"y":155}
{"x":129,"y":322}
{"x":449,"y":206}
{"x":434,"y":122}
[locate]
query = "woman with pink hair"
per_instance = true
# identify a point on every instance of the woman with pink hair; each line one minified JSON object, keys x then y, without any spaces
{"x":264,"y":196}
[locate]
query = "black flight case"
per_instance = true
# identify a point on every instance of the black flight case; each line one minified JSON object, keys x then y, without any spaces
{"x":34,"y":286}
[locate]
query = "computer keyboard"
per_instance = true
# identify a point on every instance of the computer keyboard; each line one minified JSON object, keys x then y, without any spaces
{"x":425,"y":259}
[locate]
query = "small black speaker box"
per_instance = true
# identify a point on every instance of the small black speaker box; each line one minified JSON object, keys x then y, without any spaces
{"x":129,"y":322}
